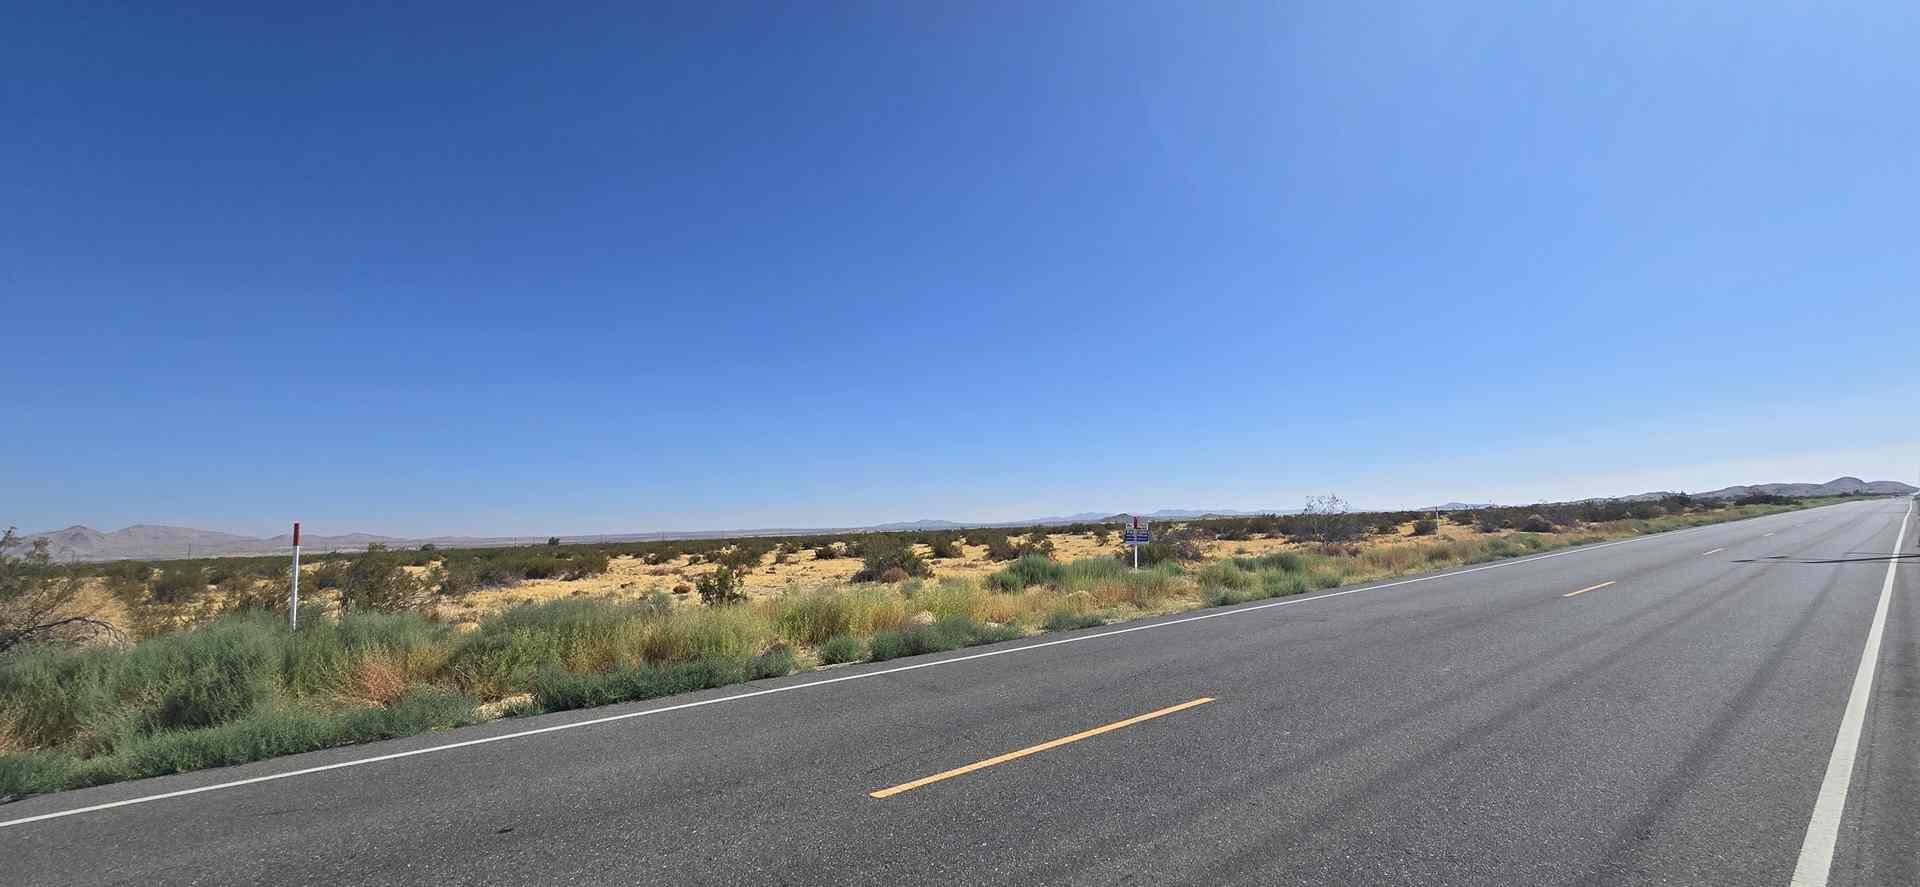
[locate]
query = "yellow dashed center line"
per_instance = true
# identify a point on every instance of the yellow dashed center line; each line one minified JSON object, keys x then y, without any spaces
{"x":1589,"y":588}
{"x":1036,"y":749}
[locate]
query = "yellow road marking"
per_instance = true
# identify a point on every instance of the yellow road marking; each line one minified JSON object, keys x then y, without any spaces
{"x":1715,"y":551}
{"x":1589,"y":588}
{"x":1036,"y":749}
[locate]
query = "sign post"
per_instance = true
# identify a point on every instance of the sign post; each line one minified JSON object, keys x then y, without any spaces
{"x":1134,"y":531}
{"x":293,"y":597}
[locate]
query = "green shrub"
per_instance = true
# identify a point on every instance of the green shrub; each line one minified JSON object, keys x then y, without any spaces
{"x":880,"y":559}
{"x":378,"y":580}
{"x":720,"y":587}
{"x":177,"y":584}
{"x":771,"y":664}
{"x":1426,"y":526}
{"x":34,"y":773}
{"x":213,"y":675}
{"x":843,"y":648}
{"x":1536,"y":523}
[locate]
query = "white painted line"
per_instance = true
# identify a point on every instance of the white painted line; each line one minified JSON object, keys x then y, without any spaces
{"x":1715,"y":551}
{"x":1823,"y":828}
{"x":1765,"y":535}
{"x":94,"y":808}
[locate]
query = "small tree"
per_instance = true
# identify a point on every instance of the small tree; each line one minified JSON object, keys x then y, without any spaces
{"x":1327,"y":519}
{"x":37,"y":599}
{"x":1426,"y":526}
{"x":722,"y":586}
{"x":553,"y":540}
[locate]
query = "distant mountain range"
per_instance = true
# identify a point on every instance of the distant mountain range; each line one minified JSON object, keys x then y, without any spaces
{"x":1839,"y":486}
{"x":151,"y":542}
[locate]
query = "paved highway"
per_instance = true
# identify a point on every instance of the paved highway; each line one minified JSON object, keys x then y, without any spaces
{"x":1660,"y":711}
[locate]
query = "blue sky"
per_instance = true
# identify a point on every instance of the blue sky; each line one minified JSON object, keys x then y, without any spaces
{"x":450,"y":269}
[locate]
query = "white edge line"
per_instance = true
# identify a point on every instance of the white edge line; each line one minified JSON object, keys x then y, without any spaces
{"x":357,"y":762}
{"x":1823,"y":827}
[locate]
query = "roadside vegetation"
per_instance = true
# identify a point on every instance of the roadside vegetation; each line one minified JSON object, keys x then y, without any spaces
{"x":204,"y":671}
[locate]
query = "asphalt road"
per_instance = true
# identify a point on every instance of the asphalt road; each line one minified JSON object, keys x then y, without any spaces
{"x":1673,"y":727}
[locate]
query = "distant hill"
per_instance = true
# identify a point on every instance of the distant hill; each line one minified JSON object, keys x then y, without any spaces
{"x":1839,"y":486}
{"x":155,"y":542}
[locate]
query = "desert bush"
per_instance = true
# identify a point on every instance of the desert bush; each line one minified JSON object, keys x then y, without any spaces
{"x":177,"y":584}
{"x":719,"y":587}
{"x":1425,"y":526}
{"x":826,"y":551}
{"x":466,"y":575}
{"x":377,"y":580}
{"x":1537,"y":524}
{"x":1327,"y":519}
{"x":897,"y":556}
{"x":945,"y":547}
{"x":743,"y":557}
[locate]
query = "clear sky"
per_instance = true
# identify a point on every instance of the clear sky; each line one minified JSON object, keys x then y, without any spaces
{"x":440,"y":268}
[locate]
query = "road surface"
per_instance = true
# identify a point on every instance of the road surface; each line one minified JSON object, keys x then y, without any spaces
{"x":1663,"y":710}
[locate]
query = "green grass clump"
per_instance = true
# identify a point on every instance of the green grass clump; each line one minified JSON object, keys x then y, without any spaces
{"x":951,"y":633}
{"x":1067,"y":620}
{"x":1275,"y":583}
{"x":261,"y":734}
{"x":1027,"y":571}
{"x":559,"y":690}
{"x":843,"y":648}
{"x":1226,"y":575}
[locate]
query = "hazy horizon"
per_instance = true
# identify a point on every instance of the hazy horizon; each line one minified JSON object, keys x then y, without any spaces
{"x":1649,"y":483}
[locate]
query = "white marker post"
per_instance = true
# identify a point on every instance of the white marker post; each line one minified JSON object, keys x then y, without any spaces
{"x":293,"y":598}
{"x":1134,"y":531}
